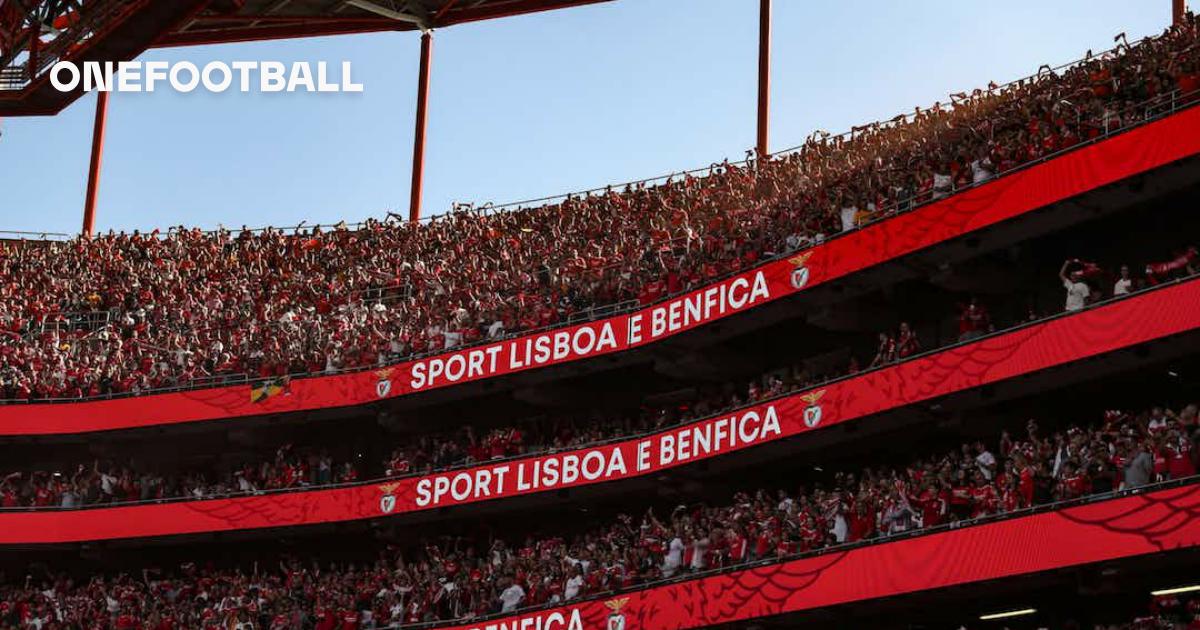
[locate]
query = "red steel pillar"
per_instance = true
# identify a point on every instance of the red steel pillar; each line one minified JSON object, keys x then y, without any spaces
{"x":418,"y":161}
{"x":764,"y":74}
{"x":1178,"y":8}
{"x":93,"y":184}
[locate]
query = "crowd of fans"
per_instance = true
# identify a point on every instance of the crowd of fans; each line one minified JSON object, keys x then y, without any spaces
{"x":299,"y":467}
{"x":458,"y":578}
{"x":133,"y":313}
{"x":111,"y":483}
{"x":1166,"y":612}
{"x":130,"y":313}
{"x":296,"y":468}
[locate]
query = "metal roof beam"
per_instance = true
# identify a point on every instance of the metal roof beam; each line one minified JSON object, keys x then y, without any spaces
{"x":412,"y":18}
{"x":501,"y":9}
{"x":280,"y":4}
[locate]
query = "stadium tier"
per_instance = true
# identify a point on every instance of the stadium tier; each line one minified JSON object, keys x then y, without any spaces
{"x":1037,"y":496}
{"x":936,"y":368}
{"x":299,"y":497}
{"x":133,"y":314}
{"x":1022,"y":193}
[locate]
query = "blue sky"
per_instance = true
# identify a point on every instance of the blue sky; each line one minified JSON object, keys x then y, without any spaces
{"x":528,"y":106}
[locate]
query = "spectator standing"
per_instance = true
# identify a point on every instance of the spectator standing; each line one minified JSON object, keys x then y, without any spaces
{"x":1139,"y":469}
{"x":1078,"y":291}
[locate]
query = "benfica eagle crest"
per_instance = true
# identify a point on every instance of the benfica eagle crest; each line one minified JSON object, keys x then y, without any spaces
{"x":387,"y":503}
{"x":812,"y":413}
{"x":384,"y":386}
{"x":616,"y":619}
{"x":800,"y":274}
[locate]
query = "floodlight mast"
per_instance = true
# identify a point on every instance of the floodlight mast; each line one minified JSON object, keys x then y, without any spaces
{"x":93,"y":181}
{"x":424,"y":22}
{"x":764,"y":76}
{"x":418,"y":160}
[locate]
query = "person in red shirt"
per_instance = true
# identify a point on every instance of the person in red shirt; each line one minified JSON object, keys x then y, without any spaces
{"x":983,"y":497}
{"x":1180,"y":455}
{"x":974,"y":321}
{"x":1072,"y":483}
{"x":885,"y":352}
{"x":862,"y":523}
{"x":327,"y":618}
{"x":1010,"y":496}
{"x":930,"y":504}
{"x":9,"y":496}
{"x":907,"y":343}
{"x":1025,"y":479}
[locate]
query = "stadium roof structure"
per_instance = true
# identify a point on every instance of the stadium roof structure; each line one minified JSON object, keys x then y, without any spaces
{"x":36,"y":34}
{"x":257,"y":20}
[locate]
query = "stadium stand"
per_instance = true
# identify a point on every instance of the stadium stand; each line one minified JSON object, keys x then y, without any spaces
{"x":462,"y":578}
{"x":1167,"y":611}
{"x":133,"y":313}
{"x":304,"y":466}
{"x":937,"y":500}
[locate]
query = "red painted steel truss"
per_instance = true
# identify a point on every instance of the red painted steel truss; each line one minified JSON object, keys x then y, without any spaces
{"x":214,"y":28}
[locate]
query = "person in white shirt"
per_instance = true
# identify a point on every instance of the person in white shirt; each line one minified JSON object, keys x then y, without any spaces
{"x":108,"y":483}
{"x":785,"y":502}
{"x":1158,"y":421}
{"x":985,"y":461}
{"x":839,"y":527}
{"x":674,"y":557}
{"x":574,"y":584}
{"x":1124,"y":283}
{"x":1078,"y":291}
{"x":700,"y":553}
{"x":943,"y":185}
{"x":794,"y":241}
{"x":453,"y":338}
{"x":511,"y":597}
{"x":982,"y":169}
{"x":848,"y":215}
{"x":243,"y":483}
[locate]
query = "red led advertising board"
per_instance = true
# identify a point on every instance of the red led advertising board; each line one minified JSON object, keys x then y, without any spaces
{"x":1120,"y":528}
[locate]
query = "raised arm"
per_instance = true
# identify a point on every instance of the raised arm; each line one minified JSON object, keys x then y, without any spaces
{"x":1062,"y":272}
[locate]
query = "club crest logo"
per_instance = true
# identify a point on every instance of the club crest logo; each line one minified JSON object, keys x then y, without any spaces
{"x":800,"y":273}
{"x":384,"y":386}
{"x":387,"y":503}
{"x":812,"y":413}
{"x":616,"y":619}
